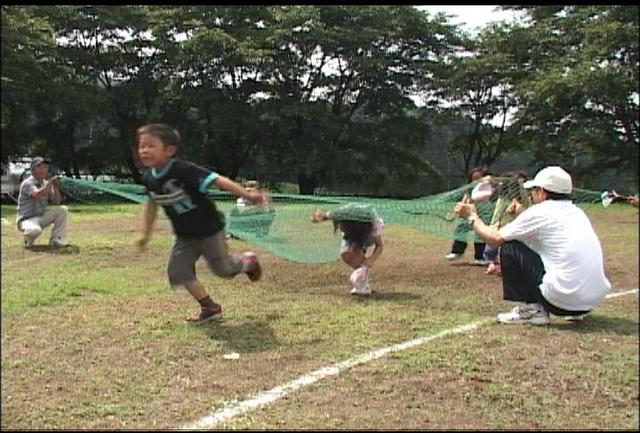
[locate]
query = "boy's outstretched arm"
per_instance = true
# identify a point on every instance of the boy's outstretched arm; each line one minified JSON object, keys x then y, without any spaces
{"x":149,"y":217}
{"x":235,"y":188}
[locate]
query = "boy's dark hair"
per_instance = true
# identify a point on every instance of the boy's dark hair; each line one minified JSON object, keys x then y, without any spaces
{"x":165,"y":133}
{"x":356,"y":232}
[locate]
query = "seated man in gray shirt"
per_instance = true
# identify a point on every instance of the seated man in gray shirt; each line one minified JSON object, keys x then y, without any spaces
{"x":35,"y":194}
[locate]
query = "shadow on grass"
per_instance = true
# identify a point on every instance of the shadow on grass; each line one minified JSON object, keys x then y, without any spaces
{"x":466,"y":265}
{"x":388,"y":296}
{"x":249,"y":336}
{"x":596,"y":323}
{"x":68,"y":249}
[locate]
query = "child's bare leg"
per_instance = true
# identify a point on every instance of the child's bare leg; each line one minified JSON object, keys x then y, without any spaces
{"x":196,"y":289}
{"x":208,"y":308}
{"x":355,"y":259}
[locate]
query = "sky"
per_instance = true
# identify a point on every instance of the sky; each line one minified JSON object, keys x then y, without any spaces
{"x":474,"y":17}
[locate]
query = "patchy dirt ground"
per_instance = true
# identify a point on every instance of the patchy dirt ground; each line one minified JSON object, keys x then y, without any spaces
{"x":95,"y":360}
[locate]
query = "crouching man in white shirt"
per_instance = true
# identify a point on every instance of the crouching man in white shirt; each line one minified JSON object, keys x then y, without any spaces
{"x":550,"y":255}
{"x":33,"y":215}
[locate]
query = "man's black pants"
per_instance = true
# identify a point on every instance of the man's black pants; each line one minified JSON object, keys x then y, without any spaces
{"x":522,"y":272}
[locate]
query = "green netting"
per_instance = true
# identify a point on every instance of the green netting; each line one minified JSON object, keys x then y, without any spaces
{"x":284,"y":228}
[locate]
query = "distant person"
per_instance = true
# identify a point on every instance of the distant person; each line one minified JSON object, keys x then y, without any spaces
{"x":459,"y":246}
{"x":180,"y":188}
{"x":511,"y":200}
{"x":36,"y":192}
{"x":243,"y":203}
{"x":551,"y":257}
{"x":613,"y":197}
{"x":361,"y":228}
{"x":249,"y":217}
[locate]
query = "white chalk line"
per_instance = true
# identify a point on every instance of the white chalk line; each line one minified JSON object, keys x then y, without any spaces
{"x":616,"y":294}
{"x":236,"y":408}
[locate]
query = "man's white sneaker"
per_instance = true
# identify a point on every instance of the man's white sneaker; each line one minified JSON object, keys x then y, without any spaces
{"x":526,"y":313}
{"x":28,"y":241}
{"x":452,"y":256}
{"x":480,"y":262}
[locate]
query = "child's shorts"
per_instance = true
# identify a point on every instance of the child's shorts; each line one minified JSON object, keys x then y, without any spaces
{"x":185,"y":253}
{"x":347,"y":246}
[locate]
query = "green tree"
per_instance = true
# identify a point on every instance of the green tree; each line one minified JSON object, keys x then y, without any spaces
{"x":332,"y":62}
{"x":27,"y":48}
{"x":108,"y":47}
{"x":479,"y":88}
{"x":579,"y":100}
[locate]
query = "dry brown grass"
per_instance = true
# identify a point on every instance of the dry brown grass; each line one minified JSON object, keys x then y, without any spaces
{"x":112,"y":357}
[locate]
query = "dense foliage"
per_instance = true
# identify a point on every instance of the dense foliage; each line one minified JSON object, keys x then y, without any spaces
{"x":324,"y":96}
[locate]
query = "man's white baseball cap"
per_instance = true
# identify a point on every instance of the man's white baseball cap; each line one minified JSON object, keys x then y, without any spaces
{"x":553,"y":179}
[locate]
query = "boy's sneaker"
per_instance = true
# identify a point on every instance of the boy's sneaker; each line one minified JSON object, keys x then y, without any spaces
{"x":578,"y":318}
{"x":255,"y":271}
{"x":452,"y":256}
{"x":361,"y":292}
{"x":480,"y":262}
{"x":526,"y":313}
{"x":206,"y":313}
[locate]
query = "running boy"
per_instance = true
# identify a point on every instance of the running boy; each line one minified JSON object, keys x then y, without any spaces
{"x":180,"y":188}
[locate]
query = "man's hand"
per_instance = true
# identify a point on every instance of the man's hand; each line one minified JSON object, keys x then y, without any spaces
{"x":464,"y":208}
{"x":515,"y":207}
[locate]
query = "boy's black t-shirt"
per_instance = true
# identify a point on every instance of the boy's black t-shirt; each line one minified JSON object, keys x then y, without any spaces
{"x":180,"y":188}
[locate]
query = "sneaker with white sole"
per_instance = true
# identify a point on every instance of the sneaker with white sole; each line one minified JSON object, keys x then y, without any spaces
{"x":28,"y":241}
{"x":578,"y":318}
{"x":526,"y":313}
{"x":480,"y":262}
{"x":360,"y":292}
{"x":452,"y":256}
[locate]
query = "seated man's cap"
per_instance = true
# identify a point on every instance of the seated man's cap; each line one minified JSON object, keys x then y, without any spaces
{"x":39,"y":160}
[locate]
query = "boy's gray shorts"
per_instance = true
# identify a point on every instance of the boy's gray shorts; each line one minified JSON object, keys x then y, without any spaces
{"x":185,"y":253}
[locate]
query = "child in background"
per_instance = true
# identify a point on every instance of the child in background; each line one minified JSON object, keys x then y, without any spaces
{"x":459,"y":246}
{"x":511,"y":197}
{"x":250,"y":218}
{"x":180,"y":188}
{"x":243,"y":203}
{"x":361,"y":228}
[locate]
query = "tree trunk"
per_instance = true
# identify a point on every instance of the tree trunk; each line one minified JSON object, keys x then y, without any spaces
{"x":128,"y":150}
{"x":307,"y":183}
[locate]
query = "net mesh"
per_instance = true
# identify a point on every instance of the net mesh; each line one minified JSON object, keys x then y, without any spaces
{"x":285,"y":229}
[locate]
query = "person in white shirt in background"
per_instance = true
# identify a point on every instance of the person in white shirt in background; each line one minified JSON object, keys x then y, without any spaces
{"x":34,"y":215}
{"x":550,"y":255}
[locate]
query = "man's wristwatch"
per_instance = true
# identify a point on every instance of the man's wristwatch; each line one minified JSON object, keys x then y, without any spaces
{"x":472,"y":218}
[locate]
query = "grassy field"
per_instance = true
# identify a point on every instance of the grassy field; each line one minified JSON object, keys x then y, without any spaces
{"x":94,"y":338}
